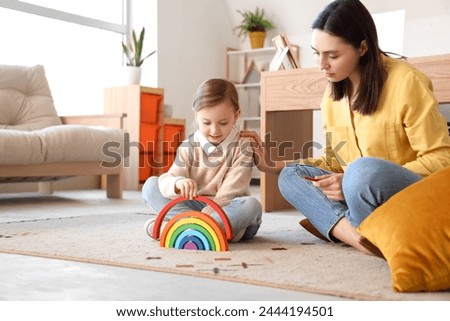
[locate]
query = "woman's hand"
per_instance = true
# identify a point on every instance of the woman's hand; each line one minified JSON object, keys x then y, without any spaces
{"x":186,"y":187}
{"x":261,"y":157}
{"x":331,"y":185}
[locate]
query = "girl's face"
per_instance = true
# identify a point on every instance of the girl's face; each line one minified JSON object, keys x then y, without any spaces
{"x":216,"y":122}
{"x":337,"y":58}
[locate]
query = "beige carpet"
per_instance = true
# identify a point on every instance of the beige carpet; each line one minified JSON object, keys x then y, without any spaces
{"x":282,"y":255}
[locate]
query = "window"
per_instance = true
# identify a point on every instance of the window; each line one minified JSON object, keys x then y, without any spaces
{"x":80,"y":61}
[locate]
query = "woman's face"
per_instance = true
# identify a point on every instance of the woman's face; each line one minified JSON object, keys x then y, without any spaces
{"x":337,"y":58}
{"x":215,"y":123}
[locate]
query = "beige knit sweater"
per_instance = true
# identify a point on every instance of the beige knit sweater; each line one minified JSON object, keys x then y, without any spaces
{"x":221,"y":172}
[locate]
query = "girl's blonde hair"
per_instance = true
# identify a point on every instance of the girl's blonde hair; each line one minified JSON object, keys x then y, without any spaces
{"x":215,"y":91}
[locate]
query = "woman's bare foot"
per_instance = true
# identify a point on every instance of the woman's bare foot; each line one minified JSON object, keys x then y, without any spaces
{"x":346,"y":232}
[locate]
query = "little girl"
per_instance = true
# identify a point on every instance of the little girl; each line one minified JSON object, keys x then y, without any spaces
{"x":214,"y":162}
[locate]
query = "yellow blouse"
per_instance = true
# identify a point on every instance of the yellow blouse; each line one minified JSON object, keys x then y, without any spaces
{"x":407,"y":129}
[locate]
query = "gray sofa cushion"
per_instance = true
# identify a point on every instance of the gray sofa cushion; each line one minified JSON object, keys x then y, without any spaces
{"x":30,"y":128}
{"x":26,"y":102}
{"x":63,"y":143}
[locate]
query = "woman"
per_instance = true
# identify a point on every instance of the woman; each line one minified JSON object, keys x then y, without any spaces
{"x":382,"y":126}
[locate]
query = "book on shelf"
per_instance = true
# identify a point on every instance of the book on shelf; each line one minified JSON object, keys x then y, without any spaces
{"x":284,"y":57}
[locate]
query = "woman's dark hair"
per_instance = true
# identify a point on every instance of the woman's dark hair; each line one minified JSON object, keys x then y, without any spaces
{"x":351,"y":21}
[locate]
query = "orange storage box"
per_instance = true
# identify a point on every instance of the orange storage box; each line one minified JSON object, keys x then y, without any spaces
{"x":173,"y":136}
{"x":148,"y":137}
{"x":150,"y":107}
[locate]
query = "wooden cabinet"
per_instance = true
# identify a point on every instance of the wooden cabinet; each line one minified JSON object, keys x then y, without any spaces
{"x":288,"y":98}
{"x":151,"y":139}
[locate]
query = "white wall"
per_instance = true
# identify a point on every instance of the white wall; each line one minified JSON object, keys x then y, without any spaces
{"x":192,"y":40}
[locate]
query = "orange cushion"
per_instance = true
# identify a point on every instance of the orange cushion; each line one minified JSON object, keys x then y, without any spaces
{"x":412,"y":230}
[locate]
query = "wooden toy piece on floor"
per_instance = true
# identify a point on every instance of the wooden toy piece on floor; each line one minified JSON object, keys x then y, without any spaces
{"x":193,"y":230}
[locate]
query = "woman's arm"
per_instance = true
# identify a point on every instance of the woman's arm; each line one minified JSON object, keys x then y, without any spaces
{"x":425,"y":127}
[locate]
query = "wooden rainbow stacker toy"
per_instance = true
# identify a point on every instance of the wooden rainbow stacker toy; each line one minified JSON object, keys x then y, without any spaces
{"x":193,"y":230}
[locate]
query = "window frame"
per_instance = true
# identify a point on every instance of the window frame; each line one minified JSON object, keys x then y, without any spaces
{"x":30,"y":8}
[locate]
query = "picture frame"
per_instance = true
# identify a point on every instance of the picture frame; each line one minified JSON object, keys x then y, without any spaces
{"x":285,"y":53}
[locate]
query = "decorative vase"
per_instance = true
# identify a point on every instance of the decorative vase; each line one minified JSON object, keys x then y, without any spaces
{"x":133,"y":75}
{"x":257,"y":39}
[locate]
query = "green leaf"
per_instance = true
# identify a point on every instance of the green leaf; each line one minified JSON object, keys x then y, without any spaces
{"x":133,"y":51}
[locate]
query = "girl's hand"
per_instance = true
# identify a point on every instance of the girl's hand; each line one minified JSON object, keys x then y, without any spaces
{"x":186,"y":187}
{"x":331,"y":185}
{"x":261,"y":157}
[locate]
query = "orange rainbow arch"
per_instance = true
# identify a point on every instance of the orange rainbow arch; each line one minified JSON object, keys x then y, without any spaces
{"x":193,"y":230}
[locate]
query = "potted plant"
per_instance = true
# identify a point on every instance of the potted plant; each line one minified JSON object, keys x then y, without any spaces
{"x":254,"y":24}
{"x":133,"y":53}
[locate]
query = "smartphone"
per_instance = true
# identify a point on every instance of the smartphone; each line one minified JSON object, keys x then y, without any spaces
{"x":311,"y":178}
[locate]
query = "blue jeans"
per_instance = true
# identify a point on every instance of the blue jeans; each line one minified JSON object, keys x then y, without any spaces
{"x":244,"y":213}
{"x":367,"y":183}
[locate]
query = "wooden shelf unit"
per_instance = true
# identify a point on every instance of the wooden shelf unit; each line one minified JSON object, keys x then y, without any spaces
{"x":244,"y":69}
{"x":146,"y":127}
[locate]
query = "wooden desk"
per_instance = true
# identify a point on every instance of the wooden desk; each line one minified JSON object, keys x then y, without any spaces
{"x":288,"y":98}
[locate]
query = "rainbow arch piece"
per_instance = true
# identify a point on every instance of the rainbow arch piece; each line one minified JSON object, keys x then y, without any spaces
{"x":193,"y":230}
